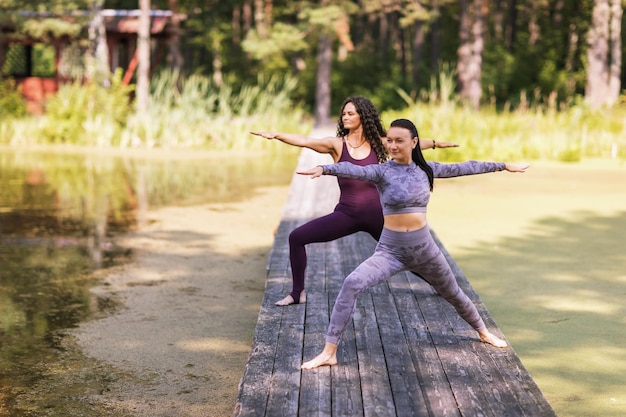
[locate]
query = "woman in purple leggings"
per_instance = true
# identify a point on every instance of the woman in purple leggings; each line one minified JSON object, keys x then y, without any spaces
{"x":358,"y":141}
{"x":404,"y":184}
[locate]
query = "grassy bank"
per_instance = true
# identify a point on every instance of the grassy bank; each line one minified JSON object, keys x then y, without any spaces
{"x":543,"y":250}
{"x":194,"y":113}
{"x":527,"y":133}
{"x":184,"y":113}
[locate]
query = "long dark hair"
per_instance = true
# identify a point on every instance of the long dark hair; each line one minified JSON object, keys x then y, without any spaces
{"x":416,"y":155}
{"x":372,"y":125}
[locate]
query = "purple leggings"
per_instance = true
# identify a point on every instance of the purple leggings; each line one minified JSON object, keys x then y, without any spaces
{"x":414,"y":251}
{"x":341,"y":222}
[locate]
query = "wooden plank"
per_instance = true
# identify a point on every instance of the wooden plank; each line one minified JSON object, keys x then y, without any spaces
{"x":255,"y":384}
{"x":377,"y":397}
{"x":406,"y":353}
{"x":346,"y":381}
{"x":438,"y":399}
{"x":405,"y":386}
{"x":284,"y":393}
{"x":316,"y":395}
{"x":315,"y":384}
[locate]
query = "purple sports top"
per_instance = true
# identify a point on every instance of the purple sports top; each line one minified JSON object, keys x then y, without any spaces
{"x":357,"y":195}
{"x":405,"y":188}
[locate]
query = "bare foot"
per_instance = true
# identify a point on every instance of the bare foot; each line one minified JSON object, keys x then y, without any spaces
{"x":288,"y":300}
{"x":323,"y":359}
{"x":492,"y":339}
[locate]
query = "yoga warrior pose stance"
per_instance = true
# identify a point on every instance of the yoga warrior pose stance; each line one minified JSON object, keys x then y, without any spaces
{"x":404,"y":184}
{"x":358,"y":140}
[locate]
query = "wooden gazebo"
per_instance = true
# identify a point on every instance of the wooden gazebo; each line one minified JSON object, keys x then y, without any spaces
{"x":121,"y":40}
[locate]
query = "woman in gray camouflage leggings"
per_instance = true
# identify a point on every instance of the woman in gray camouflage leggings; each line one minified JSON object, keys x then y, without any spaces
{"x":404,"y":184}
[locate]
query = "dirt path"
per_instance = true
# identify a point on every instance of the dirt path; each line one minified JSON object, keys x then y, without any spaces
{"x":190,"y":303}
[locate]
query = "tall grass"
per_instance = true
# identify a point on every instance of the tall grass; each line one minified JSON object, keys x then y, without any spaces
{"x":194,"y":113}
{"x":538,"y":133}
{"x":189,"y":112}
{"x":535,"y":129}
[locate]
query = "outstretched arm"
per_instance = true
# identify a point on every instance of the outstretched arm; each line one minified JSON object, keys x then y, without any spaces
{"x":432,"y":144}
{"x":370,"y":173}
{"x":441,"y":170}
{"x":323,"y":145}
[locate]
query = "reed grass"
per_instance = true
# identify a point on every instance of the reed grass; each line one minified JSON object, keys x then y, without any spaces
{"x":184,"y":112}
{"x":194,"y":113}
{"x":523,"y":134}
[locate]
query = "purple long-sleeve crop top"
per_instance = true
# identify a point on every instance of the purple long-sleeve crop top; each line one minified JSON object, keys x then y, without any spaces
{"x":405,"y":188}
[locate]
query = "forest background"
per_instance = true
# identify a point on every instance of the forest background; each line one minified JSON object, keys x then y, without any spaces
{"x":544,"y":76}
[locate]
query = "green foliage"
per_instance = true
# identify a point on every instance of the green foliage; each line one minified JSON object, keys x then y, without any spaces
{"x":194,"y":112}
{"x":383,"y":36}
{"x":359,"y":73}
{"x":87,"y":114}
{"x":184,"y":112}
{"x":11,"y":101}
{"x":49,"y":29}
{"x":284,"y":39}
{"x":43,"y":60}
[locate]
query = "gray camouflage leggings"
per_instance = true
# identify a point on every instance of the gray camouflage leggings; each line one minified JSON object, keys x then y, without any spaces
{"x":414,"y":251}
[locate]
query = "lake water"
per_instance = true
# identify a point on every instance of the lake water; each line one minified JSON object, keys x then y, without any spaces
{"x":59,"y":216}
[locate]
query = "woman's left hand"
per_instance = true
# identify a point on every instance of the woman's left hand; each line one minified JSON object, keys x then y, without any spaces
{"x":516,"y":167}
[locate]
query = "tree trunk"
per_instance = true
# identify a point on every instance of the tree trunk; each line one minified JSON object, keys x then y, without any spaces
{"x":384,"y":34}
{"x":143,"y":50}
{"x":510,"y":32}
{"x":498,"y":20}
{"x":174,"y":56}
{"x":533,"y":26}
{"x":236,"y":24}
{"x":597,"y":55}
{"x":98,"y":69}
{"x":435,"y":39}
{"x":470,"y":53}
{"x":269,"y":7}
{"x":322,"y":90}
{"x":259,"y":19}
{"x":464,"y":52}
{"x":558,"y":13}
{"x":572,"y":47}
{"x":478,"y":47}
{"x":615,"y":68}
{"x":247,"y":17}
{"x":418,"y":46}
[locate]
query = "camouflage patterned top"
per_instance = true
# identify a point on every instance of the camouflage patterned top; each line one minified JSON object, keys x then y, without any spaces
{"x":405,"y":188}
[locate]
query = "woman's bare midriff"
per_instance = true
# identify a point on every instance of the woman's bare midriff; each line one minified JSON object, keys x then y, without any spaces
{"x":406,"y":222}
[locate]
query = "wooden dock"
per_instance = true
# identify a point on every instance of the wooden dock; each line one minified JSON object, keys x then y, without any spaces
{"x":407,"y":352}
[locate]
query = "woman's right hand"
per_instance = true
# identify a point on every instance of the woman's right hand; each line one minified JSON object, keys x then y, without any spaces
{"x":313,"y":172}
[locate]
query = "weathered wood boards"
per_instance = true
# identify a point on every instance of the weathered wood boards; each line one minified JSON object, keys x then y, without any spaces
{"x":407,"y":353}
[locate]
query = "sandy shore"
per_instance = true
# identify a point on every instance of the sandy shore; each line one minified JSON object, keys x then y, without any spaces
{"x":191,"y":300}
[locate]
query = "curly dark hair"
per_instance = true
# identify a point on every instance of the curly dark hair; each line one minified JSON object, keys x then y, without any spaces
{"x":372,"y":125}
